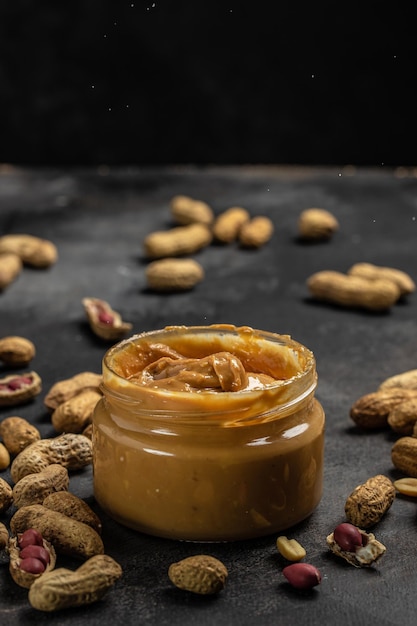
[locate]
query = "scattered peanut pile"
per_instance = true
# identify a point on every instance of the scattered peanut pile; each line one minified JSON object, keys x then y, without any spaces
{"x":393,"y":405}
{"x":49,"y":520}
{"x":170,"y":268}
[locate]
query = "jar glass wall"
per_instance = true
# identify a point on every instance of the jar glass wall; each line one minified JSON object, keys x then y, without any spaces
{"x":208,"y":464}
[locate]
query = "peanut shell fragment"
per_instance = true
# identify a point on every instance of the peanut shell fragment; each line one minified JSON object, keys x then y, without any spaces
{"x":104,"y":321}
{"x":363,"y":556}
{"x":20,"y":576}
{"x":369,"y":502}
{"x":20,"y":389}
{"x":201,"y":574}
{"x":64,"y":588}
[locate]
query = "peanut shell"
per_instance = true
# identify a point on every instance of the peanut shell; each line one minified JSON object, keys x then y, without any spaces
{"x":178,"y":241}
{"x":67,"y":535}
{"x":76,"y":413}
{"x":369,"y":271}
{"x":16,"y":351}
{"x":201,"y":574}
{"x":256,"y":232}
{"x":21,"y":577}
{"x":72,"y":506}
{"x":32,"y":250}
{"x":170,"y":274}
{"x":34,"y":488}
{"x":227,"y":226}
{"x":317,"y":224}
{"x":19,"y":389}
{"x":17,"y":433}
{"x":10,"y":268}
{"x":371,"y":410}
{"x":407,"y":379}
{"x":70,"y":450}
{"x":369,"y":502}
{"x":186,"y":210}
{"x":404,"y":455}
{"x":353,"y":291}
{"x":65,"y":389}
{"x":64,"y":588}
{"x":403,"y":417}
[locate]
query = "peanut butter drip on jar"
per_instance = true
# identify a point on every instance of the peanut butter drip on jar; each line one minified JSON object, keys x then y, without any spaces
{"x":221,"y":371}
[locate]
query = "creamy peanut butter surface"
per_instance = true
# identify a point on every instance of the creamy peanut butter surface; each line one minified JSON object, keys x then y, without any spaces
{"x":208,"y":433}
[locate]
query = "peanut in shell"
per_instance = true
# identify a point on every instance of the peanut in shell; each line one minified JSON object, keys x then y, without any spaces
{"x":201,"y":574}
{"x":369,"y":502}
{"x":404,"y":455}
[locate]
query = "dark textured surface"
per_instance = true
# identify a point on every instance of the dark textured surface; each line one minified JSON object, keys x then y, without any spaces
{"x":98,"y":220}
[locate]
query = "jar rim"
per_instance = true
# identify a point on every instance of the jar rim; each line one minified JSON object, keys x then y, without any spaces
{"x":292,"y":389}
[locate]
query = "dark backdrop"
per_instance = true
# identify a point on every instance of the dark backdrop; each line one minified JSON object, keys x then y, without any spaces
{"x":219,"y":81}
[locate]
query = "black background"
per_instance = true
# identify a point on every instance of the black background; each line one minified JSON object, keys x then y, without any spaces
{"x":134,"y":81}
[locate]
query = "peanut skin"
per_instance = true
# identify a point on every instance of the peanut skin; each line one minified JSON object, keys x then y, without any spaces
{"x":67,"y":535}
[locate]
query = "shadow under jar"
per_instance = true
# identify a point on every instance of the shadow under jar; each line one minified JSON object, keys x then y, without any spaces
{"x":208,"y":433}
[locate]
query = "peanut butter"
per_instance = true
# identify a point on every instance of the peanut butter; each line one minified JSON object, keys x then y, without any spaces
{"x":208,"y":433}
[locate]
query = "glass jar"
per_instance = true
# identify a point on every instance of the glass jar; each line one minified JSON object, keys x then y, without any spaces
{"x":209,"y":465}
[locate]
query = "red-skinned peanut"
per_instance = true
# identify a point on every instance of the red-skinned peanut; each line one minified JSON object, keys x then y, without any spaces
{"x":302,"y":575}
{"x":32,"y":566}
{"x":36,"y":552}
{"x":348,"y":537}
{"x":30,"y":537}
